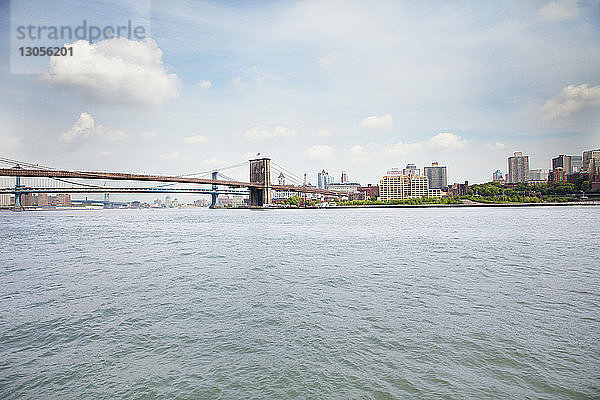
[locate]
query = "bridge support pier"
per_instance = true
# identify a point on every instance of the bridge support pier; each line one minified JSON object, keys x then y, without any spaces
{"x":18,"y":204}
{"x":260,"y":172}
{"x":214,"y":196}
{"x":18,"y":193}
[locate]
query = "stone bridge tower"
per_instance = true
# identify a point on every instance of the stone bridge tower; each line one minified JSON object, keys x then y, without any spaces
{"x":260,"y":172}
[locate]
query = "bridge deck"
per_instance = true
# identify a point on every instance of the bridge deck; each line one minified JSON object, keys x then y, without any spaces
{"x":44,"y":173}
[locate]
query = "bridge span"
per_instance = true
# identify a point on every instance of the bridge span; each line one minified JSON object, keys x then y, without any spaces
{"x":259,"y":188}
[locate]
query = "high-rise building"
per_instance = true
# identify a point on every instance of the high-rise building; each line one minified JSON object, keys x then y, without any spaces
{"x":323,"y":180}
{"x":63,"y":200}
{"x":411,"y":169}
{"x":28,"y":199}
{"x":593,"y":170}
{"x":168,"y":202}
{"x":518,"y":168}
{"x":576,"y":164}
{"x":497,"y":176}
{"x":344,"y":177}
{"x":564,"y":162}
{"x":436,"y":176}
{"x":42,"y":200}
{"x":281,"y":178}
{"x":394,"y":186}
{"x":587,"y":157}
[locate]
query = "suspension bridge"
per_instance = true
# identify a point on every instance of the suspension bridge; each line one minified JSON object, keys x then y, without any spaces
{"x":261,"y":187}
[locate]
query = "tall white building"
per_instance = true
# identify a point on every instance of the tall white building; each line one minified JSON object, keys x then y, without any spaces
{"x":396,"y":186}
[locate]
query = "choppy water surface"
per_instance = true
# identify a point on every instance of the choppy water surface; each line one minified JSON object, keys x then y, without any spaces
{"x":354,"y":303}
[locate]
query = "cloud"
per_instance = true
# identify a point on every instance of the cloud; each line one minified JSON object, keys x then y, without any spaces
{"x":323,"y":133}
{"x":115,"y":70}
{"x":170,"y":156}
{"x":148,"y":134}
{"x":446,"y":141}
{"x":205,"y":84}
{"x":259,"y":133}
{"x":82,"y":129}
{"x":495,"y":146}
{"x":319,"y":152}
{"x":572,"y":99}
{"x":10,"y":142}
{"x":558,"y":10}
{"x":402,"y":148}
{"x":195,"y":139}
{"x":86,"y":128}
{"x":366,"y":153}
{"x":379,"y":123}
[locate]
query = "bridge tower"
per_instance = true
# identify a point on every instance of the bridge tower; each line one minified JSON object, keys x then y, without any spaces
{"x":214,"y":195}
{"x":260,"y":172}
{"x":18,"y":191}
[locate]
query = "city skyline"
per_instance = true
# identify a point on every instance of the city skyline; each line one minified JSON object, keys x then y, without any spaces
{"x":378,"y":86}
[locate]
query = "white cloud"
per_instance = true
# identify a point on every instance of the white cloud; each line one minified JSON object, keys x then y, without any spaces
{"x":195,"y":139}
{"x":258,"y":133}
{"x":495,"y":146}
{"x":205,"y":84}
{"x":85,"y":128}
{"x":572,"y":99}
{"x":170,"y":156}
{"x":115,"y":70}
{"x":82,"y":129}
{"x":319,"y":152}
{"x":402,"y":148}
{"x":10,"y":142}
{"x":380,"y":123}
{"x":446,"y":141}
{"x":323,"y":133}
{"x":365,"y":153}
{"x":558,"y":10}
{"x":148,"y":134}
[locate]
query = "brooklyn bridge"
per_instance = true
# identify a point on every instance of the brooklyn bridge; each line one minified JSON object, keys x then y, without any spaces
{"x":34,"y":178}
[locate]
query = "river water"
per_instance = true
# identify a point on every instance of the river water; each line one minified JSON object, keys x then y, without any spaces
{"x":344,"y":303}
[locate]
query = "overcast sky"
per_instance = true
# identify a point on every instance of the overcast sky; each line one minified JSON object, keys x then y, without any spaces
{"x":336,"y":85}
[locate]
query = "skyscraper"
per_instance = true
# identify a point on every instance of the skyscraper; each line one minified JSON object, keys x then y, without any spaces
{"x":497,"y":176}
{"x":576,"y":164}
{"x":436,"y":175}
{"x":518,"y":168}
{"x":564,"y":162}
{"x":587,"y":157}
{"x":323,"y":180}
{"x":344,"y":177}
{"x":281,"y":178}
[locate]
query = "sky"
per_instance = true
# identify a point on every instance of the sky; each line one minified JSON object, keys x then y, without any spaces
{"x":337,"y":85}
